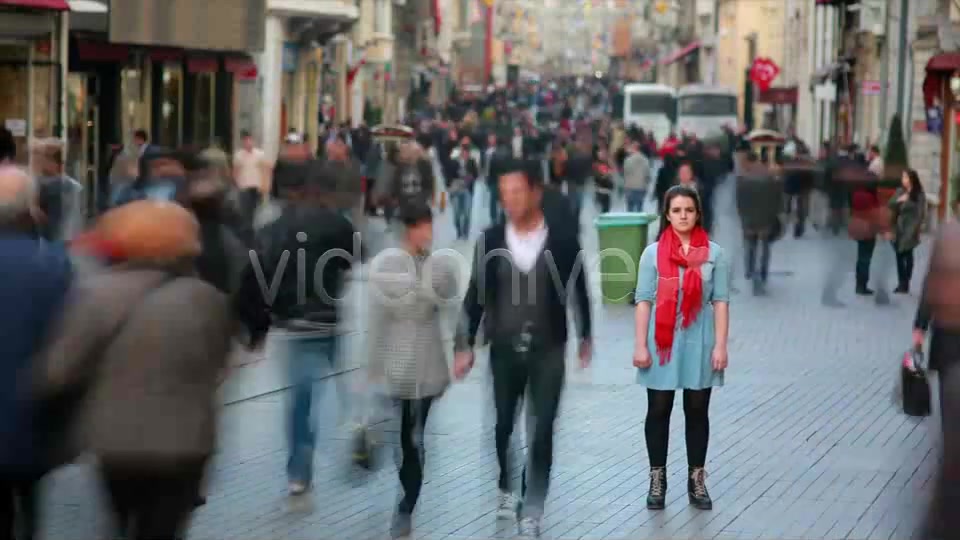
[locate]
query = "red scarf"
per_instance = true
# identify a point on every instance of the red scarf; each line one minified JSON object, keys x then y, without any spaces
{"x":670,"y":258}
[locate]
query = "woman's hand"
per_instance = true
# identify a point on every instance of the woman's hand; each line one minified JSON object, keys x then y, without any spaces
{"x":641,"y":357}
{"x":919,"y":336}
{"x":719,"y":358}
{"x":903,"y":198}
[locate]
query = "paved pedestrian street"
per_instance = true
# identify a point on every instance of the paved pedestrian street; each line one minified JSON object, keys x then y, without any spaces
{"x":805,"y":439}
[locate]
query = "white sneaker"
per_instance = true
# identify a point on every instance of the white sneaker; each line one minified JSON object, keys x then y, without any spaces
{"x":529,"y":528}
{"x":297,"y":488}
{"x":507,"y":504}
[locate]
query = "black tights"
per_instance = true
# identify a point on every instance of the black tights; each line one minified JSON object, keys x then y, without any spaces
{"x":696,"y":408}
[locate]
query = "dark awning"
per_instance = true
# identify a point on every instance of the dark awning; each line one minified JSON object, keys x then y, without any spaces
{"x":58,"y":5}
{"x":89,"y":50}
{"x":779,"y":96}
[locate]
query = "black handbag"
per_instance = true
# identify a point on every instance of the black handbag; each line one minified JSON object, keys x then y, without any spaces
{"x":914,"y":385}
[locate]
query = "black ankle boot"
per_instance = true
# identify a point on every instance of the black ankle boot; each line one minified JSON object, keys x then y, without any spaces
{"x":697,"y":489}
{"x":657,"y":496}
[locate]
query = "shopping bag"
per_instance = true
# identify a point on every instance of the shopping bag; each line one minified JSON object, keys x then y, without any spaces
{"x":364,"y":439}
{"x":363,"y":448}
{"x":914,"y":387}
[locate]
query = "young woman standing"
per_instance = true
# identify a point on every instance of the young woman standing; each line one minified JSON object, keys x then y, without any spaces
{"x":682,"y":321}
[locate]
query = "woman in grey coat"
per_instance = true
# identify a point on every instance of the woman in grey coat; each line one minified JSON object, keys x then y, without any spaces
{"x":908,"y":207}
{"x":139,"y":351}
{"x":408,"y":355}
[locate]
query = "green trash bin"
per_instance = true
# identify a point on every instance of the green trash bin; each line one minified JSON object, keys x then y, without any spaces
{"x":623,"y":236}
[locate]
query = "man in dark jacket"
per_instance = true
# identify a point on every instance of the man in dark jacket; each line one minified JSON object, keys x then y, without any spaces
{"x":759,"y":203}
{"x":304,"y":301}
{"x":499,"y":161}
{"x":579,"y":170}
{"x":528,"y":333}
{"x":37,"y":276}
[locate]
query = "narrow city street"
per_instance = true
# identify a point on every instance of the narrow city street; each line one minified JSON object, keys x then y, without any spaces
{"x":806,"y":442}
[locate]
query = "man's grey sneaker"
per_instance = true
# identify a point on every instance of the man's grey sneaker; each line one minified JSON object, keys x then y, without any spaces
{"x":529,"y":527}
{"x":507,"y":504}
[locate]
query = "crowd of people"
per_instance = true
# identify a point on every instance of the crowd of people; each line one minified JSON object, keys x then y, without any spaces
{"x":119,"y":331}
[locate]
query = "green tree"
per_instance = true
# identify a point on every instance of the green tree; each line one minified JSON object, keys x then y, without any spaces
{"x":895,"y":159}
{"x":896,"y":151}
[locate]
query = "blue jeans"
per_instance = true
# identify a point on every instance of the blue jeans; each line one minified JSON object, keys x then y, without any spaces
{"x":460,"y":201}
{"x":307,"y":359}
{"x":635,"y":199}
{"x":575,"y":195}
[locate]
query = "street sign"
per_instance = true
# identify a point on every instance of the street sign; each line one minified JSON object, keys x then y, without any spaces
{"x":872,"y":88}
{"x":825,"y":92}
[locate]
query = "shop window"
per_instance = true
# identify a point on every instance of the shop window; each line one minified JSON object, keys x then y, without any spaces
{"x":288,"y":86}
{"x":28,"y":95}
{"x":203,"y":109}
{"x":171,"y":106}
{"x":134,"y":96}
{"x":311,"y":102}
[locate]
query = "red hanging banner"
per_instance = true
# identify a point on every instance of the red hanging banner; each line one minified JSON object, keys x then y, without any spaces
{"x":763,"y":72}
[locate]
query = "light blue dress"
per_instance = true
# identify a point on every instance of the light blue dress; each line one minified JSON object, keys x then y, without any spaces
{"x":690,"y":366}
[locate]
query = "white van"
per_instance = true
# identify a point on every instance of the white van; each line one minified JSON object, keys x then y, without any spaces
{"x":703,"y":110}
{"x":651,"y":107}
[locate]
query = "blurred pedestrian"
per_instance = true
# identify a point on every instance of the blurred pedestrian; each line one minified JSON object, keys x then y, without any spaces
{"x":60,"y":197}
{"x":528,"y":334}
{"x":759,"y":205}
{"x":409,"y":290}
{"x":636,"y":177}
{"x":37,"y":276}
{"x":461,"y":174}
{"x":251,"y":173}
{"x":308,"y":325}
{"x":146,"y":368}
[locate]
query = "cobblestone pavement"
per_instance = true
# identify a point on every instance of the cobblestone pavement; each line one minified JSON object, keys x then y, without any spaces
{"x":806,"y":442}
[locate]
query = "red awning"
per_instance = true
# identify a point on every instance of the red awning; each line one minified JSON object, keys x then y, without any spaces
{"x":242,"y":68}
{"x":234,"y":64}
{"x":939,"y":69}
{"x":59,"y":5}
{"x":202,"y":64}
{"x":948,"y":61}
{"x":676,"y":55}
{"x":165,"y":55}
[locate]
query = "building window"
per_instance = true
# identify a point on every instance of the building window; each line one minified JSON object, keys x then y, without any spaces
{"x":171,"y":106}
{"x":135,"y":97}
{"x":203,"y":109}
{"x":382,"y":23}
{"x":465,"y":14}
